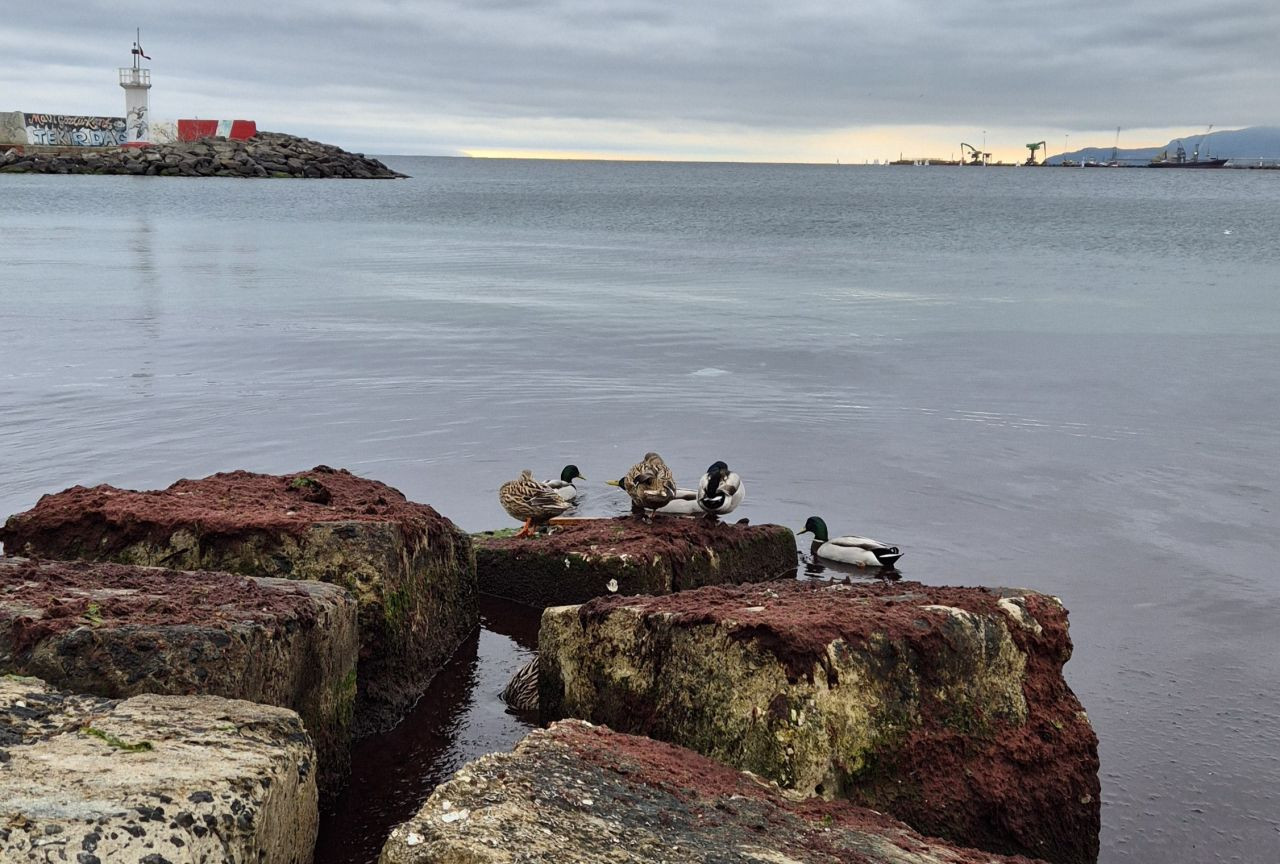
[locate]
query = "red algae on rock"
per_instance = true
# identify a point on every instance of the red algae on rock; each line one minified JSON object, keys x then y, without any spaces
{"x":585,"y":558}
{"x":945,"y":707}
{"x":229,"y":503}
{"x":55,"y":597}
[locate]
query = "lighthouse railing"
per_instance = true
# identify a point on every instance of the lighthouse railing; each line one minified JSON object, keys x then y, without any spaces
{"x":135,"y":77}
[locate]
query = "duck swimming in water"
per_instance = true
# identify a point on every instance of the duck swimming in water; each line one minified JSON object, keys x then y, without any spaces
{"x":720,"y":491}
{"x":521,"y":692}
{"x":858,"y":551}
{"x":535,"y":503}
{"x":564,"y":486}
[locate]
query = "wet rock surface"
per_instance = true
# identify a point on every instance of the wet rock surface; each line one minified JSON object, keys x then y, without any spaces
{"x":151,"y":779}
{"x":945,"y":707}
{"x":115,"y":630}
{"x":577,"y":793}
{"x":585,"y":558}
{"x":411,"y":570}
{"x":268,"y":154}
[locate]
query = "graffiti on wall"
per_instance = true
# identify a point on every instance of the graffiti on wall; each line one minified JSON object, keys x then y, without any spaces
{"x":70,"y":130}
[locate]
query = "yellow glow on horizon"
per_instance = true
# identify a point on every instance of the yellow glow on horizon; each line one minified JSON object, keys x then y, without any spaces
{"x":605,"y":155}
{"x":849,"y":146}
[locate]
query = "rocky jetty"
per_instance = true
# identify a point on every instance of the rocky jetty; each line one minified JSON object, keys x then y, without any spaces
{"x":580,"y":793}
{"x":268,"y":154}
{"x":411,"y":570}
{"x":585,"y":558}
{"x":152,"y":779}
{"x":945,"y":707}
{"x":117,"y":631}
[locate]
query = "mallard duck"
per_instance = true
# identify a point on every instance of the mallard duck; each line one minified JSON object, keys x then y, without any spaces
{"x":564,"y":486}
{"x":859,"y":551}
{"x":521,"y":692}
{"x":683,"y":503}
{"x":649,"y":483}
{"x":533,"y":502}
{"x":720,"y":491}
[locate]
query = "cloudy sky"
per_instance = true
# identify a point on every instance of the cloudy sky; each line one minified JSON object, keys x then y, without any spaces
{"x":771,"y":80}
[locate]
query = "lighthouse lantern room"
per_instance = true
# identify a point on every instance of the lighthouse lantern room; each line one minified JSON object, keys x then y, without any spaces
{"x":136,"y":81}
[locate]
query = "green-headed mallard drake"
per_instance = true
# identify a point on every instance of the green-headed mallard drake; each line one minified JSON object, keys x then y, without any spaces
{"x":564,"y":486}
{"x":858,"y":551}
{"x":649,"y":483}
{"x":533,"y":502}
{"x":720,"y":491}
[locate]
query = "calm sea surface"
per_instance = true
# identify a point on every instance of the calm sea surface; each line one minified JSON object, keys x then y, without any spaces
{"x":1064,"y":380}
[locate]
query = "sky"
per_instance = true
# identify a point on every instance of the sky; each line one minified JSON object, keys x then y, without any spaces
{"x":738,"y":80}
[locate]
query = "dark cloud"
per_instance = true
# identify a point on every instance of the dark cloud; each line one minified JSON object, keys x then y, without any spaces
{"x":434,"y":75}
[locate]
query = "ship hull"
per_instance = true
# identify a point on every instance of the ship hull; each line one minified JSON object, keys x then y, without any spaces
{"x":1203,"y":163}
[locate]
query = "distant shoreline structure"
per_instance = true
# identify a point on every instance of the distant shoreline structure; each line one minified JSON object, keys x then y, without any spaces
{"x":264,"y":155}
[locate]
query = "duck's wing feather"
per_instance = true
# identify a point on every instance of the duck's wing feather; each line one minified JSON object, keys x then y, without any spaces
{"x":855,"y":542}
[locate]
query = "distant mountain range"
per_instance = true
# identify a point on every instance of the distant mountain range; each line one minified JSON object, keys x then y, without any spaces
{"x":1253,"y":143}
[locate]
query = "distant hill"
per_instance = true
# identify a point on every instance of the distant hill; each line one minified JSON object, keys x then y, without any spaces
{"x":1253,"y":143}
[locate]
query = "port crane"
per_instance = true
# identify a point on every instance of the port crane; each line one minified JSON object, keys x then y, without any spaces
{"x":1031,"y":159}
{"x":975,"y":157}
{"x":1195,"y":154}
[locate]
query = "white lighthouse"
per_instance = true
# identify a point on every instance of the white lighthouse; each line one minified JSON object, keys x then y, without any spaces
{"x":136,"y":81}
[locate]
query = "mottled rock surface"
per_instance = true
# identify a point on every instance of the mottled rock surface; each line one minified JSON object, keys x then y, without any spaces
{"x":151,"y":779}
{"x":945,"y":707}
{"x":267,"y":154}
{"x":411,"y":570}
{"x":577,"y":793}
{"x":116,"y":630}
{"x":585,"y":558}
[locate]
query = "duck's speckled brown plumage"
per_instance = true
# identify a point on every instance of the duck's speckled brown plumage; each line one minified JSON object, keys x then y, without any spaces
{"x":531,"y":502}
{"x":650,"y":484}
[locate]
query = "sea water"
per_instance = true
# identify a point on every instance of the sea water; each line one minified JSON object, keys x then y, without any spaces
{"x":1061,"y":380}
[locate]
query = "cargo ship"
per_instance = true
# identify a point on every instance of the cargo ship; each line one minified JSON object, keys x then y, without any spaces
{"x":1180,"y":160}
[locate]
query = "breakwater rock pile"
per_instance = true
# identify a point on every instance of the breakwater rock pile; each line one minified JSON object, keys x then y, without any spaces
{"x":256,"y":624}
{"x":575,"y":792}
{"x":945,"y":707}
{"x":268,"y":154}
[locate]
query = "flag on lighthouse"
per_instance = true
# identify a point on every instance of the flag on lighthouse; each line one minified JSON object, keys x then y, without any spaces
{"x":137,"y":45}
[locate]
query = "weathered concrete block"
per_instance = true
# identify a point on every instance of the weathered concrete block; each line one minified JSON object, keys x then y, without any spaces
{"x":152,"y":779}
{"x":945,"y":707}
{"x":411,"y":570}
{"x":115,"y":630}
{"x":580,"y":793}
{"x":585,"y":558}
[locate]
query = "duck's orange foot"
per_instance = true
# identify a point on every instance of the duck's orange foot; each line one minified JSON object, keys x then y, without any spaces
{"x":527,"y":530}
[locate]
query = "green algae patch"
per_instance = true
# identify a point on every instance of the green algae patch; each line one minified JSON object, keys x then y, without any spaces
{"x":117,"y":743}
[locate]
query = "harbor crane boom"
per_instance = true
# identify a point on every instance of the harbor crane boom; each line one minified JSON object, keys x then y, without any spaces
{"x":975,"y":156}
{"x":1039,"y":145}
